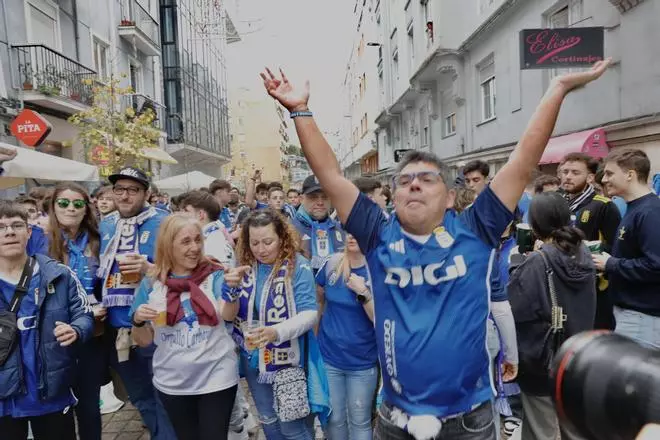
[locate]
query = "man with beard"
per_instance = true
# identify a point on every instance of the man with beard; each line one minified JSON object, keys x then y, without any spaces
{"x":594,"y":215}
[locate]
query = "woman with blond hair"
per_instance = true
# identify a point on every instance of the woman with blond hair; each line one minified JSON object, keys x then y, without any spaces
{"x":348,"y":342}
{"x":178,"y":308}
{"x":273,"y":300}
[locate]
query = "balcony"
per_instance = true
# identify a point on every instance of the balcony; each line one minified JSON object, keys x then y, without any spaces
{"x":141,"y":103}
{"x":139,"y":28}
{"x":51,"y":80}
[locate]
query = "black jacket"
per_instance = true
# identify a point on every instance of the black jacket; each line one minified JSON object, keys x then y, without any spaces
{"x":574,"y":279}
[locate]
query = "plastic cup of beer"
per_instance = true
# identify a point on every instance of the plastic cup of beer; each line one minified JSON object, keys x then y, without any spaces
{"x":128,"y":278}
{"x":160,"y":306}
{"x":248,"y":328}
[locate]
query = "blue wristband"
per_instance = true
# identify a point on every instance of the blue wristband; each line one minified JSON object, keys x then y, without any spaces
{"x":296,"y":114}
{"x":230,"y":294}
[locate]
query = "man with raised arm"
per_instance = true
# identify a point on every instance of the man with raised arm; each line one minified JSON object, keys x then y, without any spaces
{"x":430,"y":270}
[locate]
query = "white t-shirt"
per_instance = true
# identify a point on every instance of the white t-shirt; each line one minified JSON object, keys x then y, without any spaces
{"x":191,"y":359}
{"x":216,"y":244}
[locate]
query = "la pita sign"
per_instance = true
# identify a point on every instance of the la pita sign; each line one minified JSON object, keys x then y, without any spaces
{"x":30,"y":128}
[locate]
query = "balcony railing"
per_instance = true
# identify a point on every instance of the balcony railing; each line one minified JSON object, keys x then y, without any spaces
{"x":141,"y":103}
{"x":134,"y":15}
{"x":50,"y":73}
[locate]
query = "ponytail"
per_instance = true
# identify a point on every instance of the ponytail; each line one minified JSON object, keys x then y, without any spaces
{"x":568,"y":239}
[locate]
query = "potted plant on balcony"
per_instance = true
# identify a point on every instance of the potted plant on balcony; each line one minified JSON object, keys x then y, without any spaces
{"x":28,"y":74}
{"x":126,"y":22}
{"x":50,"y":81}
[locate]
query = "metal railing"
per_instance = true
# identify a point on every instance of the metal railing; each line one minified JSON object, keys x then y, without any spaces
{"x":142,"y":103}
{"x":133,"y":14}
{"x":50,"y":73}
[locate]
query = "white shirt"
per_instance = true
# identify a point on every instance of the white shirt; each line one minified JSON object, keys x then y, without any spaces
{"x":216,"y":244}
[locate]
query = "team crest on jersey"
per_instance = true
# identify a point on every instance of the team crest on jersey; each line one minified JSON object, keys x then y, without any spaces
{"x":584,"y":218}
{"x":622,"y":232}
{"x":443,"y":237}
{"x":338,"y":235}
{"x":144,"y":237}
{"x":334,"y":276}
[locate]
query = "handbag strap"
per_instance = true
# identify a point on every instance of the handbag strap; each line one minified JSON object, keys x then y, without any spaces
{"x":558,"y":316}
{"x":305,"y":351}
{"x":21,"y":287}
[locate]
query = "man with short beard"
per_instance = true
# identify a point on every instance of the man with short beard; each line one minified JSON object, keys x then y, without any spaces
{"x":128,"y":240}
{"x":595,"y":215}
{"x":320,"y":235}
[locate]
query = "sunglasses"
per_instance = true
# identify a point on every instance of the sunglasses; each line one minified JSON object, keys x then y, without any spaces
{"x":64,"y":203}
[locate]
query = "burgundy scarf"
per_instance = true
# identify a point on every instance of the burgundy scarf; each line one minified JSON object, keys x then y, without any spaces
{"x":203,"y":307}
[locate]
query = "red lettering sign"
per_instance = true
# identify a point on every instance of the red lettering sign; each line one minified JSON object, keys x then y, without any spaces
{"x":30,"y":128}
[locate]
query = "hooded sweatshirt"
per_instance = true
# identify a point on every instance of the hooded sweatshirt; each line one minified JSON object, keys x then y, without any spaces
{"x":575,"y":282}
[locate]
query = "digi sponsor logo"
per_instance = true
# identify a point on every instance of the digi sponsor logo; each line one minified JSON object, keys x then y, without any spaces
{"x":432,"y":274}
{"x":389,"y":328}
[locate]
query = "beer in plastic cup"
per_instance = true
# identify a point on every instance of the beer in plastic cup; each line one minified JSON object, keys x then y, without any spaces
{"x":248,"y":328}
{"x":128,"y":278}
{"x":524,"y":238}
{"x":159,"y":304}
{"x":595,"y":246}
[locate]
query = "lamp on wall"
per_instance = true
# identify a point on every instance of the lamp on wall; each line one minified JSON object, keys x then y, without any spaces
{"x":372,"y":44}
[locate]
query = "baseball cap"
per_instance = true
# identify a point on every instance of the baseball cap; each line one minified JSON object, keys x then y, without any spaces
{"x":131,"y":173}
{"x":310,"y":185}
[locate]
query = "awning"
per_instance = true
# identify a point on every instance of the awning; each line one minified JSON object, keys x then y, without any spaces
{"x":31,"y":164}
{"x":590,"y":142}
{"x":182,"y":183}
{"x":158,"y":155}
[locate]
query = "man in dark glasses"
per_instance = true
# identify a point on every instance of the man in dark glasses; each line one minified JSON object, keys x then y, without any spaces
{"x":430,"y":270}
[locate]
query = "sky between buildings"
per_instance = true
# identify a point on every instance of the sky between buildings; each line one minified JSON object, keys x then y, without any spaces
{"x":309,"y":39}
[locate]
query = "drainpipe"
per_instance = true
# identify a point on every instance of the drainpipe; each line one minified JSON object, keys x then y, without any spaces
{"x":76,"y":35}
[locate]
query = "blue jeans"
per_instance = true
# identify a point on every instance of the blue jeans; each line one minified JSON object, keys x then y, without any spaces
{"x":137,"y":375}
{"x":262,"y":393}
{"x":475,"y":425}
{"x":351,"y":397}
{"x":645,"y":329}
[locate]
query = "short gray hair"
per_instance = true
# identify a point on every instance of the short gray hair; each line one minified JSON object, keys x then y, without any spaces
{"x":415,"y":156}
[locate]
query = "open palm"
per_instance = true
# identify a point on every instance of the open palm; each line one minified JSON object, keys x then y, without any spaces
{"x":578,"y":79}
{"x":293,"y":99}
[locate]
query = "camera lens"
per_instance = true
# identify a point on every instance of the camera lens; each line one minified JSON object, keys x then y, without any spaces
{"x":607,"y":385}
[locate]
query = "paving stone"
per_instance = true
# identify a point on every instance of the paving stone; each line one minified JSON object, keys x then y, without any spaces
{"x":114,"y":427}
{"x":134,"y":426}
{"x":125,"y":416}
{"x":129,"y":436}
{"x":108,"y":436}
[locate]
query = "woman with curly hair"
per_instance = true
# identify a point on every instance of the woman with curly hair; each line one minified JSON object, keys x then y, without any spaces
{"x":272,"y":293}
{"x":74,"y":241}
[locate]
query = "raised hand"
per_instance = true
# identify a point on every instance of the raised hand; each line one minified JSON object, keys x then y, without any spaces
{"x":293,"y":99}
{"x":578,"y":79}
{"x":7,"y":154}
{"x":234,"y":276}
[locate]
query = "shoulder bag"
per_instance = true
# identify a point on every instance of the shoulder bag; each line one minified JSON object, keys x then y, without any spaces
{"x":8,"y":326}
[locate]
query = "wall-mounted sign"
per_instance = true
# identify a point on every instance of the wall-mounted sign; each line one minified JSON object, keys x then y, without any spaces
{"x":399,"y":154}
{"x":30,"y":128}
{"x":561,"y":47}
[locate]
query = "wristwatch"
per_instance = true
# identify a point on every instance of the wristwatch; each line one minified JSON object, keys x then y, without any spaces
{"x":364,"y":296}
{"x":135,"y":324}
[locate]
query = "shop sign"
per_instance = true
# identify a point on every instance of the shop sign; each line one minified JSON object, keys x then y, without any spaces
{"x":561,"y":47}
{"x":30,"y":128}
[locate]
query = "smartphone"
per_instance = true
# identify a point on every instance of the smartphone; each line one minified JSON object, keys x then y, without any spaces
{"x":524,"y":238}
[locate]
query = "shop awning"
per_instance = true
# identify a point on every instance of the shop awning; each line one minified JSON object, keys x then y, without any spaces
{"x":31,"y":164}
{"x":158,"y":155}
{"x":182,"y":183}
{"x":590,"y":142}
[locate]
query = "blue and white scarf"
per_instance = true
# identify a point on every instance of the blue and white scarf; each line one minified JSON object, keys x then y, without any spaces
{"x":322,"y":242}
{"x":277,"y":304}
{"x":82,"y":265}
{"x":125,"y":240}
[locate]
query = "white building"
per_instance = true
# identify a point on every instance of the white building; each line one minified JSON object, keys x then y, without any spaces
{"x":358,"y":152}
{"x":451,"y":79}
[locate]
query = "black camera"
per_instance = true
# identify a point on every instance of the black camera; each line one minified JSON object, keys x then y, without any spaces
{"x":606,"y":385}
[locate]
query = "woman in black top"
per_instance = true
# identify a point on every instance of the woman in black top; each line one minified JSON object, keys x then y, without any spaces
{"x":573,"y":276}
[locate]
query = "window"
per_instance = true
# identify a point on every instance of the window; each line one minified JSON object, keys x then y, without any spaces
{"x":135,"y":76}
{"x":355,"y":137}
{"x":450,"y":125}
{"x":42,"y":23}
{"x":363,"y":125}
{"x":487,"y":89}
{"x":427,"y":22}
{"x":100,"y":58}
{"x":424,"y":124}
{"x":565,"y":16}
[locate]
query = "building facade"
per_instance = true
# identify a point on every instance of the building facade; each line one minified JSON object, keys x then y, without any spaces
{"x":260,"y":137}
{"x":47,"y":48}
{"x":195,"y":35}
{"x":452,"y":83}
{"x":358,"y":153}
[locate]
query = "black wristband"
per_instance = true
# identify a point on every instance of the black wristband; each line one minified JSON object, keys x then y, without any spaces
{"x":135,"y":324}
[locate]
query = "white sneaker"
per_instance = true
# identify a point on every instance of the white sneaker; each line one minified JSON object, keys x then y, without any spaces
{"x":250,"y":424}
{"x":243,"y":435}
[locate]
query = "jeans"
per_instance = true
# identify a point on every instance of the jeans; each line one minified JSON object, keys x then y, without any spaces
{"x":137,"y":374}
{"x":643,"y":328}
{"x":262,"y":393}
{"x":475,"y":425}
{"x":53,"y":426}
{"x":351,"y":397}
{"x":200,"y":417}
{"x":540,"y":420}
{"x":89,"y":377}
